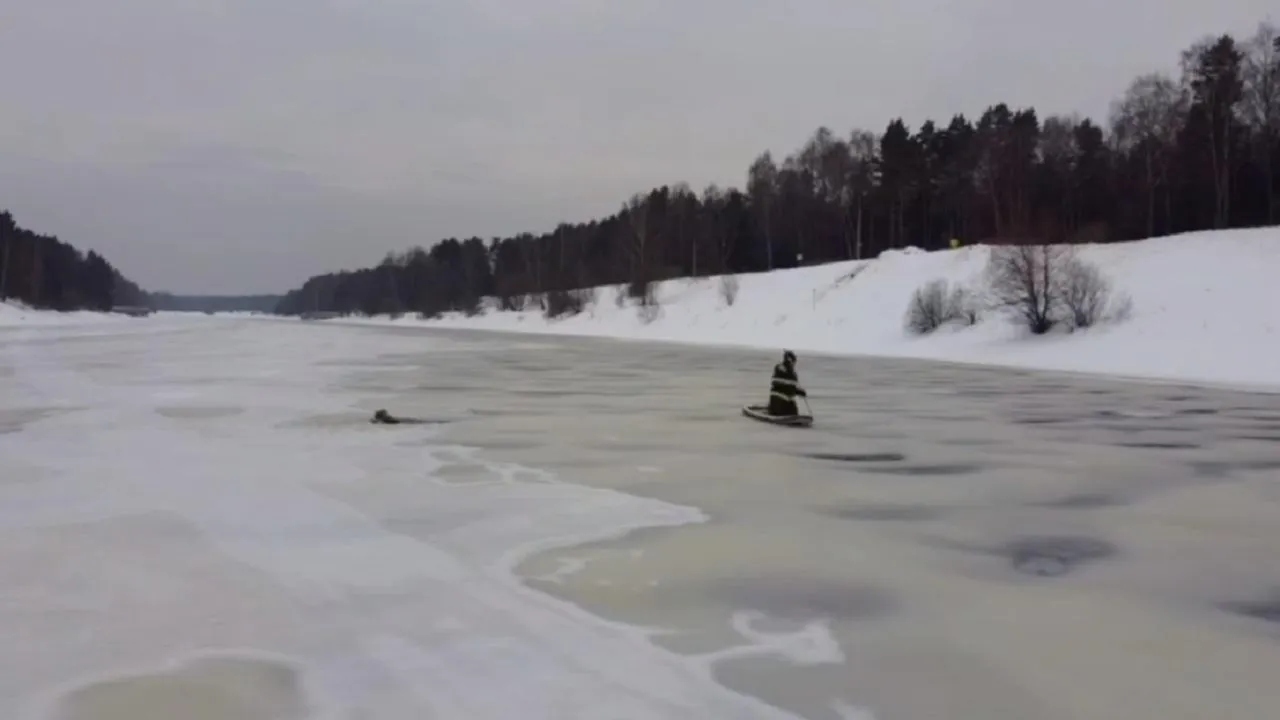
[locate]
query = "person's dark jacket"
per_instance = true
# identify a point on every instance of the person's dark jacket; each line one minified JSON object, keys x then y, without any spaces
{"x":783,"y":389}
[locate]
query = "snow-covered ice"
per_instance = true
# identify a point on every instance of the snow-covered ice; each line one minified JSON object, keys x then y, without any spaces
{"x":1204,"y":310}
{"x":175,"y":528}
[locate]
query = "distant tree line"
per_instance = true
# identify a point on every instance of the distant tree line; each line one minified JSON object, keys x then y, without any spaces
{"x":44,"y":272}
{"x":1192,"y":151}
{"x":212,"y":303}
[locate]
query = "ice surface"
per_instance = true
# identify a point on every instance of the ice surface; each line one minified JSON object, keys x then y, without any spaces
{"x":1204,"y":309}
{"x":141,"y":532}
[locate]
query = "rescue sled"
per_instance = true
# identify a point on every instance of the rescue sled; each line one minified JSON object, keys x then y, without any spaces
{"x":761,"y":413}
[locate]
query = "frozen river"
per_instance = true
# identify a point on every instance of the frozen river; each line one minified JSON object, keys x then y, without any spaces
{"x":195,"y":514}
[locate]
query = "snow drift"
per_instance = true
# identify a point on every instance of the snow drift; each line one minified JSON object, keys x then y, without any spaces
{"x":1204,"y":309}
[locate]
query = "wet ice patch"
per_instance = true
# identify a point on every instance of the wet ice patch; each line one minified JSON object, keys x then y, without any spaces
{"x":13,"y":420}
{"x":214,"y":687}
{"x":198,"y":412}
{"x":1038,"y":555}
{"x":927,"y":469}
{"x":565,"y":567}
{"x":1258,"y":438}
{"x":886,"y":513}
{"x":1084,"y":501}
{"x":1218,"y":469}
{"x":804,"y":598}
{"x":1051,"y":556}
{"x":1158,"y":445}
{"x":1266,"y":608}
{"x":859,"y":457}
{"x":1136,"y":414}
{"x":811,"y":644}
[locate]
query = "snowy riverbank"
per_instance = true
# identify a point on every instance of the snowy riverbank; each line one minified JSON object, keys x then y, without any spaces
{"x":16,"y":314}
{"x":1203,"y":311}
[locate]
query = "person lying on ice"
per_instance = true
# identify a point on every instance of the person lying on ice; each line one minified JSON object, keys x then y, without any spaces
{"x":784,"y":387}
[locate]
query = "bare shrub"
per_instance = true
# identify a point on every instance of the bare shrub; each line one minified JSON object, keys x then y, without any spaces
{"x":1025,"y":281}
{"x":562,"y":303}
{"x":962,"y":307}
{"x":1120,"y":310}
{"x":512,"y":302}
{"x":558,"y":304}
{"x":1084,"y":294}
{"x":648,"y":312}
{"x":937,"y":304}
{"x":470,"y":305}
{"x":538,"y":299}
{"x":640,"y":290}
{"x":1046,"y":286}
{"x":1087,"y":297}
{"x":928,"y":309}
{"x":647,"y":307}
{"x":729,"y":289}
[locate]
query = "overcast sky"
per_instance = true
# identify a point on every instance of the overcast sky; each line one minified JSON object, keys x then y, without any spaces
{"x":230,"y":146}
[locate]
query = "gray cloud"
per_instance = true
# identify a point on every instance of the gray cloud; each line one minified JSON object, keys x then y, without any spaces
{"x":240,"y":145}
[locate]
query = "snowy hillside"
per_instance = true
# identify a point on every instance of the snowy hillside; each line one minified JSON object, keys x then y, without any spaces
{"x":1206,"y":307}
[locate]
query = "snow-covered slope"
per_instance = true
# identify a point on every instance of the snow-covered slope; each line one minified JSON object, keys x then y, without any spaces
{"x":17,"y":314}
{"x":1206,"y":308}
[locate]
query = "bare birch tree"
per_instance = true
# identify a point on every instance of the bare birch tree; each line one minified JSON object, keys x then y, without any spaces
{"x":1261,"y":102}
{"x":1147,"y":121}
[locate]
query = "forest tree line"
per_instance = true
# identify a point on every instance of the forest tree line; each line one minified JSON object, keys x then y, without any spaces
{"x":170,"y":302}
{"x":1181,"y":151}
{"x":43,"y":272}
